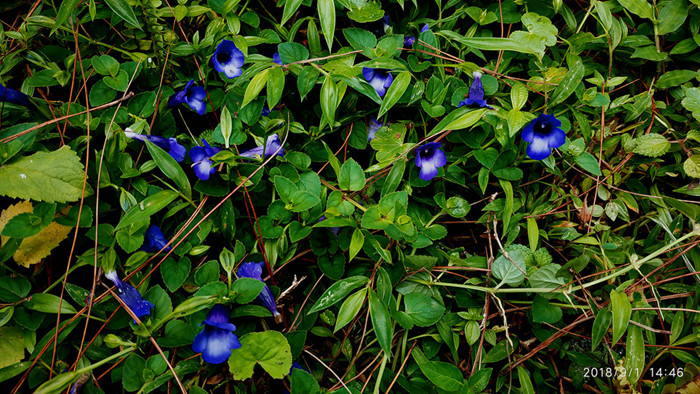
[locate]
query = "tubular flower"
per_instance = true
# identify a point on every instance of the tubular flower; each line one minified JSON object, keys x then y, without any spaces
{"x":254,"y":271}
{"x":476,"y":93}
{"x":170,"y":145}
{"x":203,"y":166}
{"x":386,"y":22}
{"x":372,"y":128}
{"x":192,"y":95}
{"x":13,"y":96}
{"x":155,"y":241}
{"x":429,"y":158}
{"x":216,"y":340}
{"x":277,"y":59}
{"x":271,"y":145}
{"x":543,"y":134}
{"x":379,"y":79}
{"x":228,"y":59}
{"x":408,"y":41}
{"x":131,"y":297}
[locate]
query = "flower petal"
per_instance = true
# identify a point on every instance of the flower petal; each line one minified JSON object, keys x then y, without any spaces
{"x":528,"y":132}
{"x":198,"y":154}
{"x":176,"y":151}
{"x":215,"y":344}
{"x":368,"y":73}
{"x":539,"y":149}
{"x":198,"y":106}
{"x":428,"y":171}
{"x":251,"y":270}
{"x":556,"y":138}
{"x":203,"y":169}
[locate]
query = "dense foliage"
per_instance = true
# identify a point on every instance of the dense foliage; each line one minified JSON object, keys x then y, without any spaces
{"x":349,"y":196}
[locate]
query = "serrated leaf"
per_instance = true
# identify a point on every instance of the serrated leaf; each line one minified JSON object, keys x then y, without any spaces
{"x":652,"y":145}
{"x":55,"y":176}
{"x":691,"y":166}
{"x":691,"y":102}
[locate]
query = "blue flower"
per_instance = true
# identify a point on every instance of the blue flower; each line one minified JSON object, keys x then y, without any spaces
{"x":13,"y":96}
{"x":408,"y":41}
{"x":192,"y":95}
{"x":254,"y":271}
{"x":131,"y":297}
{"x":372,"y":128}
{"x":277,"y":59}
{"x":203,"y":167}
{"x":425,"y":28}
{"x":170,"y":145}
{"x":386,"y":22}
{"x":476,"y":93}
{"x":429,"y":158}
{"x":379,"y":79}
{"x":271,"y":145}
{"x":543,"y":134}
{"x":216,"y":340}
{"x":228,"y":59}
{"x":155,"y":241}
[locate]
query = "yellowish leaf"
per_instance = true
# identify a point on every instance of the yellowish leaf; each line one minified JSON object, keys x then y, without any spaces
{"x":33,"y":249}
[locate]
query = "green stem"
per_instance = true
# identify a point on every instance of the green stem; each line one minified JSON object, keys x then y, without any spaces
{"x":381,"y":373}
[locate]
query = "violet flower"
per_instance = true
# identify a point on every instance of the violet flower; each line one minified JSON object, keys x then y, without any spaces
{"x":372,"y":128}
{"x":254,"y":271}
{"x":335,"y":230}
{"x":13,"y":96}
{"x":203,"y":166}
{"x":271,"y":145}
{"x":379,"y":79}
{"x":131,"y":297}
{"x":216,"y":340}
{"x":543,"y":134}
{"x":228,"y":59}
{"x":155,"y":241}
{"x":429,"y":158}
{"x":408,"y":41}
{"x":277,"y":59}
{"x":476,"y":93}
{"x":170,"y":145}
{"x":193,"y":96}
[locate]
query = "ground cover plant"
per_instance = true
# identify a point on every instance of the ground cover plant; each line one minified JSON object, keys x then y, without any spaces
{"x":349,"y":196}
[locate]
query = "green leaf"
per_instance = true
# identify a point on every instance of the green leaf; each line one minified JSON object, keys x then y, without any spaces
{"x":381,"y":322}
{"x":505,"y":269}
{"x":11,"y":345}
{"x":146,"y":208}
{"x":351,"y":176}
{"x":525,"y":382}
{"x":639,"y":7}
{"x":674,"y":78}
{"x":544,"y":312}
{"x":247,"y":289}
{"x":601,"y":324}
{"x":634,"y":358}
{"x":329,"y":99}
{"x":48,"y":303}
{"x":589,"y":163}
{"x":123,"y":10}
{"x":518,"y":95}
{"x":350,"y":308}
{"x":307,"y":80}
{"x":64,"y":11}
{"x":291,"y":52}
{"x":326,"y":15}
{"x":546,"y":278}
{"x":396,"y":90}
{"x":105,"y":65}
{"x":672,"y":16}
{"x":368,"y":12}
{"x":677,"y":326}
{"x":480,"y":379}
{"x":567,"y":86}
{"x":444,"y":375}
{"x":424,"y":310}
{"x":356,"y":243}
{"x":13,"y":289}
{"x":649,"y":52}
{"x":460,"y":118}
{"x":132,"y":373}
{"x":55,"y":176}
{"x":652,"y":145}
{"x":255,"y":87}
{"x":389,"y":142}
{"x":338,"y":291}
{"x":303,"y":382}
{"x":691,"y":102}
{"x":360,"y":38}
{"x":621,"y":312}
{"x":290,"y":7}
{"x":174,"y":272}
{"x":275,"y":86}
{"x":226,"y":127}
{"x":691,"y":166}
{"x":170,"y":168}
